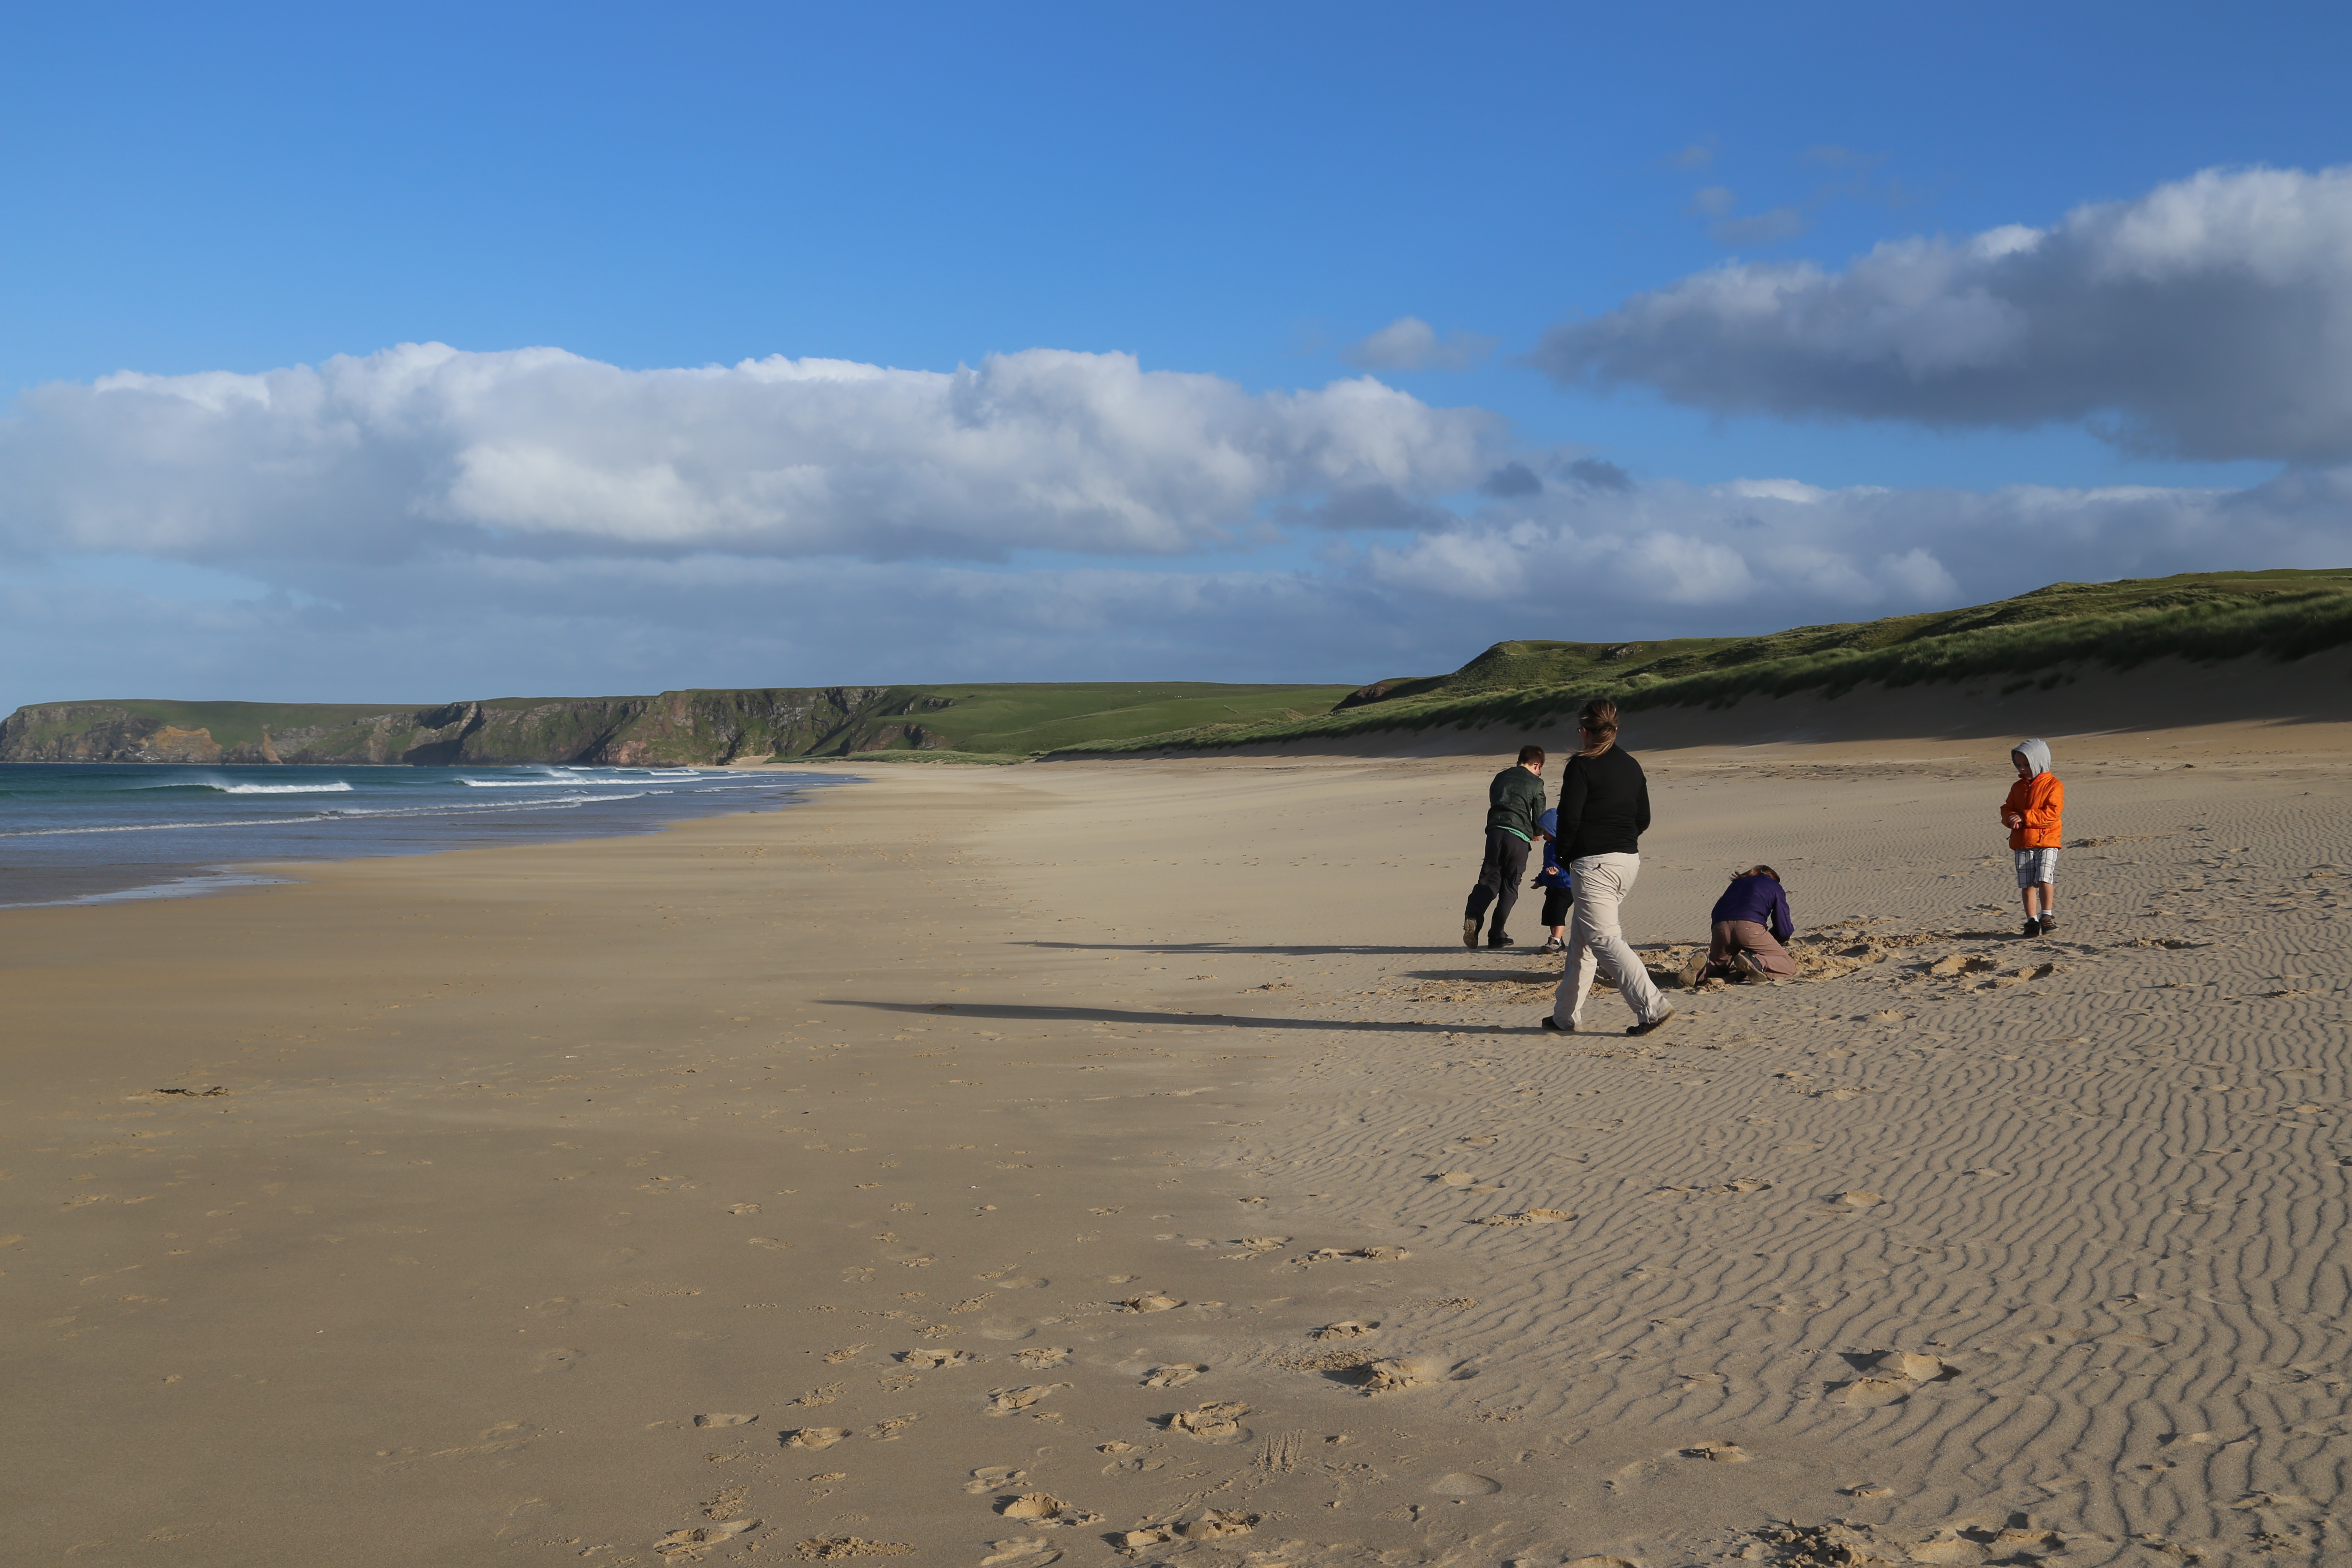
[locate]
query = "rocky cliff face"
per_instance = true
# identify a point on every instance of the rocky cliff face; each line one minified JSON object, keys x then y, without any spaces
{"x":677,"y":728}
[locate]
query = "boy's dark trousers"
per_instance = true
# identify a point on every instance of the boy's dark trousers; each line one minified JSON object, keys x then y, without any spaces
{"x":1499,"y":879}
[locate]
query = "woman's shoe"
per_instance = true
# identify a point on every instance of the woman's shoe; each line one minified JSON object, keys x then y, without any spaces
{"x":1553,"y":945}
{"x":2033,"y":926}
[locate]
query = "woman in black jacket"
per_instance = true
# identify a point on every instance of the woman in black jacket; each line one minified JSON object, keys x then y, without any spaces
{"x":1604,"y":809}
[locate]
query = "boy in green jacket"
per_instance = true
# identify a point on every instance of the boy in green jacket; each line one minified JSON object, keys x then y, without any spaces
{"x":1514,"y":801}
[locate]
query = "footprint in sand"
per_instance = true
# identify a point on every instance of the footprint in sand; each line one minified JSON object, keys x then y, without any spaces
{"x":1720,"y":1453}
{"x":1043,"y":1355}
{"x":704,"y":1535}
{"x":1889,"y":1377}
{"x":992,"y":1479}
{"x":1856,"y":1199}
{"x":1010,"y":1401}
{"x":715,"y":1419}
{"x":1866,"y":1490}
{"x":1357,"y":1255}
{"x":814,"y":1436}
{"x":1393,"y":1374}
{"x":1530,"y":1216}
{"x":1129,"y":1459}
{"x":1153,"y":1302}
{"x":1026,"y":1550}
{"x":1175,"y":1376}
{"x":935,"y":1359}
{"x":1220,"y":1421}
{"x":1217,"y":1523}
{"x":1453,"y":1178}
{"x":1351,"y":1329}
{"x":1462,"y":1483}
{"x":1030,"y":1505}
{"x":1006,"y":1328}
{"x":561,"y":1359}
{"x":1043,"y":1508}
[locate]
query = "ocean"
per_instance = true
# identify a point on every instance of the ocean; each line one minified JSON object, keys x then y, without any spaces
{"x":84,"y":833}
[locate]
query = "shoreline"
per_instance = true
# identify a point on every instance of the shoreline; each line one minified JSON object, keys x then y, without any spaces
{"x":557,"y":1202}
{"x":390,"y":824}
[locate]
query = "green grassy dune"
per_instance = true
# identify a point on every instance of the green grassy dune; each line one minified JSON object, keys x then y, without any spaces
{"x":2034,"y":638}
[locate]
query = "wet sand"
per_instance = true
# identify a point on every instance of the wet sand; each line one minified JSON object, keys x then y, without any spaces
{"x":1124,"y":1162}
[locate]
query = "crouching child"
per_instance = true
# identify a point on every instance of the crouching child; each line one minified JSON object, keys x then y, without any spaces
{"x":1752,"y":925}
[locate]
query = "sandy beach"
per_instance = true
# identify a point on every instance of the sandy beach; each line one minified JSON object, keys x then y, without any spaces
{"x":1124,"y":1162}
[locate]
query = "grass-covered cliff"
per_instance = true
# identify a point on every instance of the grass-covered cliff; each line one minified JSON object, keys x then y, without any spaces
{"x":676,"y":727}
{"x":2036,"y":637}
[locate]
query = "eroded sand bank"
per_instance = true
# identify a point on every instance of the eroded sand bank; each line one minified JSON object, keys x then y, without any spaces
{"x":1121,"y":1162}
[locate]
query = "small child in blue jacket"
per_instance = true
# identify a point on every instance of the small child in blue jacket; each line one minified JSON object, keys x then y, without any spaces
{"x":1553,"y":880}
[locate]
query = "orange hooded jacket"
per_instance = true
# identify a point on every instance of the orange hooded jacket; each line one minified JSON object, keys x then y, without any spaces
{"x":2041,"y":800}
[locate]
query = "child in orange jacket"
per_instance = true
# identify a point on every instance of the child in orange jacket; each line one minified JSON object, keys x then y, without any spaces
{"x":2032,"y":815}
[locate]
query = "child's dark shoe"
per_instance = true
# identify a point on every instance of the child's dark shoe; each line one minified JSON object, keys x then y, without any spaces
{"x":2032,"y":927}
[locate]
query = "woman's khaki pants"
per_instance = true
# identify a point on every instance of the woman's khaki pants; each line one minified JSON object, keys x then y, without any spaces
{"x":1602,"y":882}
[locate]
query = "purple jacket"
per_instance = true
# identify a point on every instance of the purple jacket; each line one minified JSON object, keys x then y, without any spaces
{"x":1758,"y":899}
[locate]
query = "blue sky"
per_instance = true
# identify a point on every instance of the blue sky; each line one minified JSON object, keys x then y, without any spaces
{"x":1243,"y":193}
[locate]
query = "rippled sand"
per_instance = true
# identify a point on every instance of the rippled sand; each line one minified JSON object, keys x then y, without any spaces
{"x":1125,"y":1162}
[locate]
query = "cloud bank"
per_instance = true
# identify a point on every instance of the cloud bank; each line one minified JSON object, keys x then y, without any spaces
{"x":541,"y":453}
{"x":2209,"y":319}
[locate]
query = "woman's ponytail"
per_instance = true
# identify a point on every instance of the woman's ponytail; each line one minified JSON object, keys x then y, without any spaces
{"x":1598,"y":719}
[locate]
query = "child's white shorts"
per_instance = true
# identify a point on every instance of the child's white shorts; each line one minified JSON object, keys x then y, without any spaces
{"x":2035,"y":866}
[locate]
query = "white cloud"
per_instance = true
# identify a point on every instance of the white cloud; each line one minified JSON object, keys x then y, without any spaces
{"x":1411,"y":343}
{"x":2210,"y":318}
{"x":1757,"y":554}
{"x":424,"y":448}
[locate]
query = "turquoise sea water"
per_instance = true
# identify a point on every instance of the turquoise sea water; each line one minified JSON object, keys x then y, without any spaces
{"x":79,"y":833}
